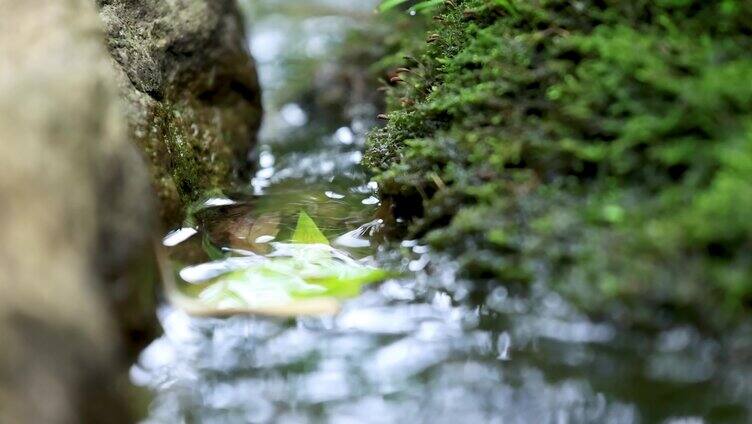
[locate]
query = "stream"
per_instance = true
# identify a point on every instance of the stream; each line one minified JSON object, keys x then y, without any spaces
{"x":422,"y":346}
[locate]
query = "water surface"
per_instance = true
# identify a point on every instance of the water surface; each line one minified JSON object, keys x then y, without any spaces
{"x":423,"y":347}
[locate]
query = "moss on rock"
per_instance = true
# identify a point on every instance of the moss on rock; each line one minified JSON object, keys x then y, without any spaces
{"x":603,"y":146}
{"x":192,"y":90}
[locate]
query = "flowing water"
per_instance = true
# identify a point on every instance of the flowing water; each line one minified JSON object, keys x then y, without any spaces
{"x":422,"y":346}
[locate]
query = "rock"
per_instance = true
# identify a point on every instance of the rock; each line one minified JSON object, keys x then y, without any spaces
{"x":193,"y":94}
{"x":75,"y":205}
{"x":76,"y":294}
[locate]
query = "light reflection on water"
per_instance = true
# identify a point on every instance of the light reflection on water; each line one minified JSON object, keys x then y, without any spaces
{"x":402,"y":352}
{"x":428,"y":347}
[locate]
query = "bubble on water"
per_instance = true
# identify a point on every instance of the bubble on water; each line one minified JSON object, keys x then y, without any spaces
{"x":259,"y":184}
{"x":393,"y":290}
{"x":372,"y":200}
{"x":408,"y":243}
{"x":202,"y":272}
{"x":264,"y":173}
{"x":420,"y":249}
{"x":418,"y":264}
{"x":266,"y":159}
{"x":392,"y":364}
{"x":503,"y":345}
{"x":267,"y":45}
{"x":157,"y":355}
{"x":178,"y":236}
{"x":218,"y":201}
{"x":264,"y":239}
{"x":353,"y":239}
{"x":139,"y":376}
{"x":333,"y":195}
{"x":386,"y":320}
{"x":344,"y":135}
{"x":442,"y":301}
{"x":293,"y":115}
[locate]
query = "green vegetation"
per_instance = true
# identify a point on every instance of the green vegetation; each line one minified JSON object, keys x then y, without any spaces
{"x":306,"y":231}
{"x":305,"y":269}
{"x":426,"y":5}
{"x":188,"y":154}
{"x":605,"y":147}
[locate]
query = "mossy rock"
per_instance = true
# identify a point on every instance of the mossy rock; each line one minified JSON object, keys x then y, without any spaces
{"x":605,"y":145}
{"x":192,"y":90}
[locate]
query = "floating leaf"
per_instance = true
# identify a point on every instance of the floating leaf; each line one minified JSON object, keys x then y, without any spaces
{"x":255,"y":286}
{"x":304,"y":276}
{"x":307,"y":232}
{"x":304,"y":272}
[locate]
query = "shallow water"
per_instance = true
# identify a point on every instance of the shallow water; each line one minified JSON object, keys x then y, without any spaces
{"x":426,"y":346}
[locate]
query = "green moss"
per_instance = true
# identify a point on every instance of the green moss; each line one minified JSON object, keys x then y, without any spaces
{"x":193,"y":101}
{"x":609,"y":143}
{"x":188,"y":154}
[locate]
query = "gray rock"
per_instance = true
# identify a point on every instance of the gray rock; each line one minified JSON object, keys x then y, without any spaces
{"x":194,"y":103}
{"x":75,"y":204}
{"x":76,"y":209}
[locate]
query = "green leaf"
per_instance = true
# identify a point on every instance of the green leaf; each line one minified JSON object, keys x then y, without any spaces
{"x":390,"y":4}
{"x":427,"y":6}
{"x":283,"y":280}
{"x":343,"y":281}
{"x":306,"y":231}
{"x":304,"y":276}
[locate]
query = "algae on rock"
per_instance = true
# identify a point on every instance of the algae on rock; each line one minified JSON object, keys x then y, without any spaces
{"x":610,"y":143}
{"x":192,"y":89}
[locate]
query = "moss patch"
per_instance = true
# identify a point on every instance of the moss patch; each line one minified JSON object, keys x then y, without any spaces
{"x":193,"y":98}
{"x":603,"y":146}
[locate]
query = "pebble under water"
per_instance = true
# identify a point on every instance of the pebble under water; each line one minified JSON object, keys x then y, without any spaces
{"x":421,"y":347}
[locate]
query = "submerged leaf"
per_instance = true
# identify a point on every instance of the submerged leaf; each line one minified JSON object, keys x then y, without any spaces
{"x":306,"y":231}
